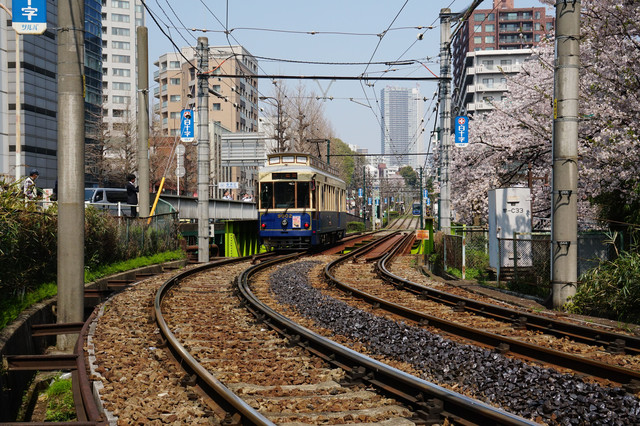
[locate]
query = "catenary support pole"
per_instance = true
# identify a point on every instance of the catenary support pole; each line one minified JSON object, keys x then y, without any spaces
{"x":142,"y":43}
{"x":421,"y":202}
{"x":444,"y":209}
{"x":71,"y":135}
{"x":564,"y":227}
{"x":203,"y":149}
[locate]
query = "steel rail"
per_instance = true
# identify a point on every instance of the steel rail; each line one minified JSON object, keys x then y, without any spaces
{"x":615,"y":342}
{"x":218,"y":392}
{"x":503,"y":344}
{"x":413,"y":391}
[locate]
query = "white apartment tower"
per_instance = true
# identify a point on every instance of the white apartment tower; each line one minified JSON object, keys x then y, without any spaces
{"x":119,"y":73}
{"x":402,"y":126}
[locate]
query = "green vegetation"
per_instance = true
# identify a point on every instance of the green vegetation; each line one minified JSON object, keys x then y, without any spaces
{"x":11,"y":306}
{"x":611,"y":290}
{"x":28,"y":247}
{"x":60,"y":406}
{"x":355,"y":227}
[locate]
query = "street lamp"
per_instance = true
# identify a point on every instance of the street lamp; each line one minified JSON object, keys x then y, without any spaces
{"x":279,"y":129}
{"x":18,"y":102}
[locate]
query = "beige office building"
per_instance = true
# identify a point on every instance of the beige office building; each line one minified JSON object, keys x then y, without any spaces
{"x":233,"y":101}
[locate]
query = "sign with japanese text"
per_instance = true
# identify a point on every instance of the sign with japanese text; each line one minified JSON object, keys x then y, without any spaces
{"x":186,"y":126}
{"x":462,"y":131}
{"x":29,"y":16}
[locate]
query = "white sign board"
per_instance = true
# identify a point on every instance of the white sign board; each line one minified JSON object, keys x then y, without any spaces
{"x":228,"y":185}
{"x":29,"y":16}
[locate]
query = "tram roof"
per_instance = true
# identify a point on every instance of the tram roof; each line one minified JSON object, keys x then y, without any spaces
{"x":300,"y":159}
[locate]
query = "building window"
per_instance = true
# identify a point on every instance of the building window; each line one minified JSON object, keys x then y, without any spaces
{"x":120,"y":4}
{"x":174,"y":115}
{"x":121,"y":72}
{"x":120,"y":31}
{"x":477,"y":40}
{"x":490,"y":28}
{"x":216,"y":107}
{"x":537,"y":15}
{"x":477,"y":29}
{"x":488,"y":64}
{"x":118,"y":113}
{"x":123,"y":45}
{"x":216,"y":87}
{"x":118,"y":85}
{"x":122,"y":59}
{"x":488,"y":82}
{"x":174,"y":81}
{"x":506,"y":61}
{"x":174,"y":64}
{"x":537,"y":37}
{"x":491,"y":17}
{"x":121,"y":99}
{"x":118,"y":17}
{"x":490,"y":39}
{"x":478,"y":17}
{"x":174,"y":98}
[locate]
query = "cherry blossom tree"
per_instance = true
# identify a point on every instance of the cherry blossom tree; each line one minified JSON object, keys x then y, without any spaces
{"x":517,"y":134}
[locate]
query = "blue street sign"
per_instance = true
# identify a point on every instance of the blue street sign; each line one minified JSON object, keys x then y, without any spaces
{"x":462,"y":131}
{"x":360,"y":192}
{"x":426,"y":193}
{"x":392,"y":199}
{"x":377,"y":201}
{"x":385,"y":200}
{"x":186,"y":125}
{"x":428,"y":201}
{"x":369,"y":201}
{"x":29,"y":16}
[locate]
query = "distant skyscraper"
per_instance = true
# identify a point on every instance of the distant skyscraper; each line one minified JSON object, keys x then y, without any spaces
{"x":401,"y":125}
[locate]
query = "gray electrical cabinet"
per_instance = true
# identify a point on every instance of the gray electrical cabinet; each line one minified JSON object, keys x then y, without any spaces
{"x":509,"y":219}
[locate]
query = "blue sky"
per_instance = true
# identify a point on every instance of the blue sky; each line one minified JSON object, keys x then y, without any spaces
{"x":348,"y":32}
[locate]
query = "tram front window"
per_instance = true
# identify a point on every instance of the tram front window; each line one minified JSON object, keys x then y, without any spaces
{"x":303,"y":195}
{"x":266,"y":195}
{"x":285,"y":193}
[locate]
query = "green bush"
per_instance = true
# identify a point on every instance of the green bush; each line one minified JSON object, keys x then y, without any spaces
{"x":355,"y":227}
{"x":611,"y":290}
{"x":60,"y":406}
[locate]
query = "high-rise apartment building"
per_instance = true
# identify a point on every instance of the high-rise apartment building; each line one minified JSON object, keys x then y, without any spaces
{"x":233,"y":101}
{"x":119,"y":82}
{"x":38,"y":92}
{"x":401,"y":125}
{"x":492,"y":44}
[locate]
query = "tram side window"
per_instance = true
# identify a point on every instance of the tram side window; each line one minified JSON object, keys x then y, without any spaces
{"x":302,"y":195}
{"x":266,"y":195}
{"x":285,"y":194}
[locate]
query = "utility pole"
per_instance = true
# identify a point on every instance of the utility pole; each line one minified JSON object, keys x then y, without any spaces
{"x":444,"y":222}
{"x":203,"y":149}
{"x":143,"y":120}
{"x":71,"y":135}
{"x":421,"y":202}
{"x":564,"y":226}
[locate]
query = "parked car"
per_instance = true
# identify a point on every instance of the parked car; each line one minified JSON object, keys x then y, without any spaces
{"x":112,"y":199}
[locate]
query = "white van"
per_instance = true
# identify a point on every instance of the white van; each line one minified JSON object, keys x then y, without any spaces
{"x":112,"y":199}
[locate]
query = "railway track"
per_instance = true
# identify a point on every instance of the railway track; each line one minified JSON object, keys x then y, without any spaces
{"x":266,"y":374}
{"x":511,"y":338}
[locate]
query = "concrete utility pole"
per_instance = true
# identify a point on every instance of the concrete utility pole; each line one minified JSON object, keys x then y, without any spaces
{"x":143,"y":120}
{"x":444,"y":209}
{"x":70,"y":166}
{"x":564,"y":206}
{"x":203,"y":149}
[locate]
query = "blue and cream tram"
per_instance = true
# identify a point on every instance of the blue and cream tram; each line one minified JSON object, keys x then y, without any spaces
{"x":302,"y":202}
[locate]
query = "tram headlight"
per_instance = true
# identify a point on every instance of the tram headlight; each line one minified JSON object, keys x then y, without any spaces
{"x":284,"y":222}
